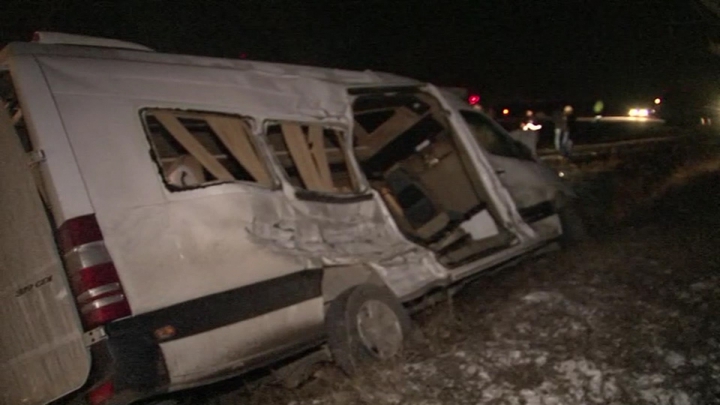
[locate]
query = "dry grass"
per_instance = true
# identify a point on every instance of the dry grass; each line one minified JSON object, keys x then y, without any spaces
{"x":685,"y":174}
{"x":621,"y":188}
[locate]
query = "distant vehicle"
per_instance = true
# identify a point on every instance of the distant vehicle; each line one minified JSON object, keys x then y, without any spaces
{"x":172,"y":220}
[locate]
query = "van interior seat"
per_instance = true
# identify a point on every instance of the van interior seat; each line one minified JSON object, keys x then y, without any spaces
{"x":185,"y":171}
{"x":426,"y":220}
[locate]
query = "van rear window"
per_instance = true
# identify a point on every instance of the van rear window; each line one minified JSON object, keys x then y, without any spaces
{"x":195,"y":149}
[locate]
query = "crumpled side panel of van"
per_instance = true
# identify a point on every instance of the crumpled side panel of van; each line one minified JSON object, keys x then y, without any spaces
{"x":346,"y":234}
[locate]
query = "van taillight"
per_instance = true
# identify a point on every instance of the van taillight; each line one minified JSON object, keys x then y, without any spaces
{"x":91,"y":272}
{"x":101,"y":393}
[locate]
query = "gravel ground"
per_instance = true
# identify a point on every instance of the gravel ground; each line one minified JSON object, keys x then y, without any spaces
{"x":629,"y":318}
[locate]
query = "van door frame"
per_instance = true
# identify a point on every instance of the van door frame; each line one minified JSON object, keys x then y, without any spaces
{"x":512,"y":220}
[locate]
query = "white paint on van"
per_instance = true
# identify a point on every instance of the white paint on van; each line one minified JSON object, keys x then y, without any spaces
{"x":231,"y":230}
{"x":199,"y":357}
{"x":84,"y":104}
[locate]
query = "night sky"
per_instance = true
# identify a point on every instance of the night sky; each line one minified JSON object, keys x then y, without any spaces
{"x":622,"y":50}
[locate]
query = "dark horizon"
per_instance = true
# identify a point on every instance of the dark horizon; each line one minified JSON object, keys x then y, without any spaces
{"x":621,"y":51}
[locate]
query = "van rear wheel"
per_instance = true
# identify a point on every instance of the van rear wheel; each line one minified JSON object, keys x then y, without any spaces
{"x":366,"y":323}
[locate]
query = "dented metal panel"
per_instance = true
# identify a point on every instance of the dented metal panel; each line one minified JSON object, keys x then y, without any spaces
{"x":153,"y":233}
{"x":114,"y":85}
{"x":256,"y":94}
{"x":42,"y":354}
{"x":172,"y":246}
{"x":335,"y":234}
{"x":341,"y":77}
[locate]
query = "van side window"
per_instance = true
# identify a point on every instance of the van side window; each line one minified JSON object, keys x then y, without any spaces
{"x":313,"y":157}
{"x":195,"y":149}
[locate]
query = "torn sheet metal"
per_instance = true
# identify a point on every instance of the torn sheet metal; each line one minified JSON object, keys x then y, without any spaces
{"x":344,"y":234}
{"x":333,"y":231}
{"x":411,"y":273}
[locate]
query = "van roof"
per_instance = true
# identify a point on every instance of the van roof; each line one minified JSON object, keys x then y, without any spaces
{"x":344,"y":78}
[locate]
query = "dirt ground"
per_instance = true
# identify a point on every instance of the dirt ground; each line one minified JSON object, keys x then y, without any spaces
{"x":628,"y":318}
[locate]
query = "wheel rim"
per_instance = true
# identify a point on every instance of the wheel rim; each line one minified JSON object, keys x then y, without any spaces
{"x":379,"y":329}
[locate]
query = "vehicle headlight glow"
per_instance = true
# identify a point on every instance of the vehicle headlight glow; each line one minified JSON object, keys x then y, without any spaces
{"x":531,"y":127}
{"x":639,"y":112}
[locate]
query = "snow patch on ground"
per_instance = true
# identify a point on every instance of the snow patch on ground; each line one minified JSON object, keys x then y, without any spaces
{"x":542,"y":297}
{"x":524,"y":363}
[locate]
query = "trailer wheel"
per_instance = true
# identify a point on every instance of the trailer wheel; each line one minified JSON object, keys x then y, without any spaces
{"x":364,"y":324}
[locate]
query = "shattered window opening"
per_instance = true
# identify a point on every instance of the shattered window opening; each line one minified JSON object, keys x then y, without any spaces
{"x":313,"y":157}
{"x":410,"y":153}
{"x":195,"y":149}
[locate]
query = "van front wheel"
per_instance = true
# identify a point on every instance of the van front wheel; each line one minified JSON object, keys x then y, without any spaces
{"x":365,"y":323}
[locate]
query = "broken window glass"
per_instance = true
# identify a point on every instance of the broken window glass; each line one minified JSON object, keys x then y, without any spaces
{"x":195,"y":149}
{"x":313,"y":157}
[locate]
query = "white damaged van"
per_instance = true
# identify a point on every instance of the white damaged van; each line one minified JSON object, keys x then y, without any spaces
{"x":169,"y":221}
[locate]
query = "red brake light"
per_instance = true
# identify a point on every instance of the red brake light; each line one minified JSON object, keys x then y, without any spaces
{"x":101,"y":393}
{"x":93,"y":277}
{"x":79,"y":231}
{"x":474,"y":99}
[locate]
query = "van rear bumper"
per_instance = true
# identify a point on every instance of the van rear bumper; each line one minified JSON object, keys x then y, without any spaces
{"x":132,"y":357}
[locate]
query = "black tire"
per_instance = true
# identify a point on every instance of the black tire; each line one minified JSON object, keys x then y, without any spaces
{"x":349,"y":349}
{"x":573,"y":227}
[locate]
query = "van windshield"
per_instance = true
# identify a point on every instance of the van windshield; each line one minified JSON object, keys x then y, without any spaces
{"x":492,"y":138}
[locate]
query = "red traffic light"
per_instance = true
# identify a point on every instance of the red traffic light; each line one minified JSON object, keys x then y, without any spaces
{"x":473,"y":99}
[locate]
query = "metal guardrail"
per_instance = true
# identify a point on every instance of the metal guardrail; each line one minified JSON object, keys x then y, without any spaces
{"x":608,"y":148}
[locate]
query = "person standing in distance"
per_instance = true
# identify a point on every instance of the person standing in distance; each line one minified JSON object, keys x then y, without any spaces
{"x":565,"y":127}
